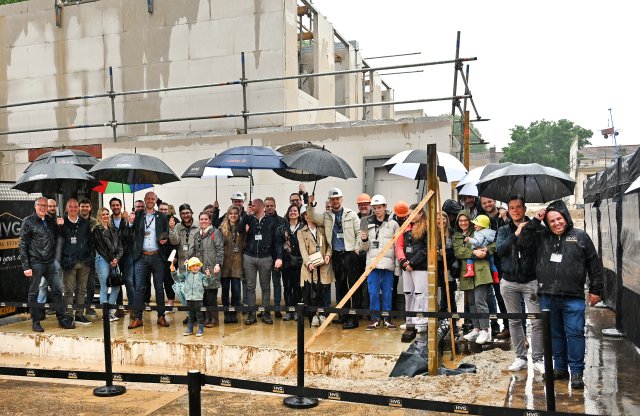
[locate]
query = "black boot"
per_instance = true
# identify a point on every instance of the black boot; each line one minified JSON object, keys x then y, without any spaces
{"x":409,"y":334}
{"x":227,"y":317}
{"x":233,"y":316}
{"x":251,"y":319}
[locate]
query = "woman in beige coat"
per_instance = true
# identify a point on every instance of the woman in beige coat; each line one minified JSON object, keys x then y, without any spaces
{"x":315,"y":280}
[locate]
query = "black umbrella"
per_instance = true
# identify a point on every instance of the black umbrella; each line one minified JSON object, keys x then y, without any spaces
{"x":319,"y":163}
{"x":297,"y":174}
{"x":133,"y":168}
{"x":50,"y":178}
{"x":66,"y":156}
{"x":199,"y":169}
{"x":533,"y":182}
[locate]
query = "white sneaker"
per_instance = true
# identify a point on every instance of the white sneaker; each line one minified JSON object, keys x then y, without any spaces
{"x":322,"y":319}
{"x":539,"y":366}
{"x":519,"y":364}
{"x":315,"y":321}
{"x":484,"y":337}
{"x":471,"y":336}
{"x":403,"y":326}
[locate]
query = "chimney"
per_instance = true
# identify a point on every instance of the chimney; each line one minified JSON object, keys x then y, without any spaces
{"x":492,"y":155}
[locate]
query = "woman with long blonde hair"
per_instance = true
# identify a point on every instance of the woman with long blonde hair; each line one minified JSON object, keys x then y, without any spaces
{"x":411,"y":251}
{"x":232,"y":267}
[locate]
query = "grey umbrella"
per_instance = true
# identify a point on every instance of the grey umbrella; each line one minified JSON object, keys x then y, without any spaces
{"x":50,"y":178}
{"x":133,"y":168}
{"x":533,"y":182}
{"x":66,"y":156}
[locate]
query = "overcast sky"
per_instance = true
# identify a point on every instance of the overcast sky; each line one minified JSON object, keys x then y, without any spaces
{"x":536,"y":60}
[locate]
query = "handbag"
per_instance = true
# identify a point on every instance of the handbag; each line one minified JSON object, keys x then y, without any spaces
{"x":292,"y":262}
{"x":115,"y":278}
{"x":316,"y":259}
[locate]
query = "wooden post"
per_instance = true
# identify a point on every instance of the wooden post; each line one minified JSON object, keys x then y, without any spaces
{"x":446,"y":281}
{"x":467,"y":138}
{"x":432,"y":268}
{"x":389,"y":246}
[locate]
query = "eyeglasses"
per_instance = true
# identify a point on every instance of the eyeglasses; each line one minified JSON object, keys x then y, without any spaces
{"x":42,"y":205}
{"x":185,"y":212}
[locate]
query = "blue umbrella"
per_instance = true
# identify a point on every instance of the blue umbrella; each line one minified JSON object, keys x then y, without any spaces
{"x":248,"y":157}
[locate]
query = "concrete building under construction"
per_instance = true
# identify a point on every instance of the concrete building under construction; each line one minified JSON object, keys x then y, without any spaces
{"x":183,"y":80}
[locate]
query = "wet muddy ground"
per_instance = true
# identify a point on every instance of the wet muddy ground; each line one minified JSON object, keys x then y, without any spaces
{"x":612,"y":375}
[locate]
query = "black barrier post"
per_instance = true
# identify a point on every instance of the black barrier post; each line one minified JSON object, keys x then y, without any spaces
{"x":548,"y":361}
{"x":299,"y":401}
{"x":194,"y":383}
{"x":109,"y":390}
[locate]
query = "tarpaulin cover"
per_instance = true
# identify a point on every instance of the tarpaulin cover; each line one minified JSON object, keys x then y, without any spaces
{"x":630,"y":239}
{"x":591,"y":223}
{"x":612,"y":220}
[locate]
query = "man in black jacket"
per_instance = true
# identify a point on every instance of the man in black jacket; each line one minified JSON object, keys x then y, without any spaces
{"x":518,"y":280}
{"x":494,"y":296}
{"x":261,"y":249}
{"x":78,"y":255}
{"x":120,"y":220}
{"x":151,"y":232}
{"x":38,"y":235}
{"x":564,"y":258}
{"x":276,"y":274}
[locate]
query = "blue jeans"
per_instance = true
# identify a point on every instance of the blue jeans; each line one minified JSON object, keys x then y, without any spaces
{"x":276,"y":278}
{"x":380,"y":279}
{"x":145,"y":264}
{"x":48,"y":271}
{"x":567,"y":331}
{"x":102,"y":270}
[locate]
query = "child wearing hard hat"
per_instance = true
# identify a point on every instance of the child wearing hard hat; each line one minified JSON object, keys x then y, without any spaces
{"x":195,"y":283}
{"x":482,"y":237}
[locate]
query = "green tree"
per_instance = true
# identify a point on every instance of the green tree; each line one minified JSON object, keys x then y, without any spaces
{"x":545,"y":142}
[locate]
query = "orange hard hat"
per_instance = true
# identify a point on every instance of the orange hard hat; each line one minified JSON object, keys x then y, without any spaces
{"x":401,"y":209}
{"x":363,"y":199}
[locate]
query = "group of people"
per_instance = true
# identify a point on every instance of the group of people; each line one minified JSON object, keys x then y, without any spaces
{"x":525,"y":264}
{"x":498,"y":259}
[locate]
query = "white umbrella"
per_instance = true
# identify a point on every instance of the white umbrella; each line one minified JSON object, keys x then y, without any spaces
{"x":467,"y":185}
{"x":635,"y":185}
{"x":412,"y":164}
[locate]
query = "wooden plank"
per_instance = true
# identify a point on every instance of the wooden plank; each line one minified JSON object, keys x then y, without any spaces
{"x":363,"y":277}
{"x":432,"y":268}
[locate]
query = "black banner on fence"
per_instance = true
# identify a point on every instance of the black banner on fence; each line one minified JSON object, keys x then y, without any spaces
{"x":13,"y":285}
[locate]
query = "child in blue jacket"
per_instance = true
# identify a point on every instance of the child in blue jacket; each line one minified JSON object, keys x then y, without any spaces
{"x":195,"y":283}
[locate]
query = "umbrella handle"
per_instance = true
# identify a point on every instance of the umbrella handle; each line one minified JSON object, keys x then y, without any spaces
{"x":314,"y":187}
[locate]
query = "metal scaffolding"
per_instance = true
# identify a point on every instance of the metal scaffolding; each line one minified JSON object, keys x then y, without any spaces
{"x":457,"y":143}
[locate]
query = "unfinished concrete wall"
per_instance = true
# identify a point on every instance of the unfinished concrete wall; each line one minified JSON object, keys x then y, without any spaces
{"x":184,"y":42}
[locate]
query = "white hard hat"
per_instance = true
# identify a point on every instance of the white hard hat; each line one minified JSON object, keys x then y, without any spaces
{"x":378,"y":200}
{"x":237,"y":195}
{"x":334,"y":192}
